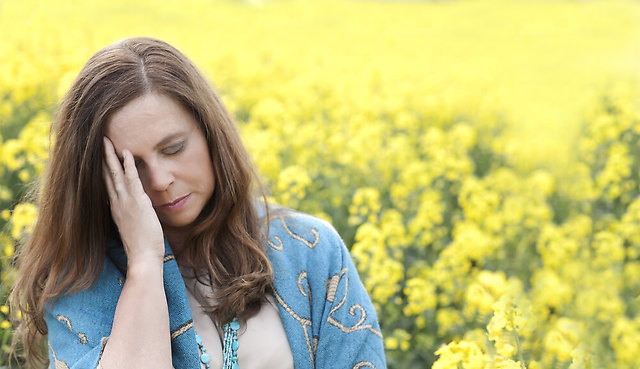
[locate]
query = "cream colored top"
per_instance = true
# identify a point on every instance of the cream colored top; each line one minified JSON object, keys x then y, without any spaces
{"x":262,"y":342}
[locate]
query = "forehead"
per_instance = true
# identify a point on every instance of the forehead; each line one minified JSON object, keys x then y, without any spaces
{"x":147,"y":120}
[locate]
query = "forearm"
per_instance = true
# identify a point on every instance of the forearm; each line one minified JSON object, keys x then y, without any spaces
{"x":140,"y":335}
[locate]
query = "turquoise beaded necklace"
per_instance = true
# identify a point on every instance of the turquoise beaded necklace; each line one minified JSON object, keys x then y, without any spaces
{"x":229,"y":346}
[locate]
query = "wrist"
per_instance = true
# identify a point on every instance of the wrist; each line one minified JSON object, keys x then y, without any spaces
{"x":144,"y":264}
{"x":141,"y":249}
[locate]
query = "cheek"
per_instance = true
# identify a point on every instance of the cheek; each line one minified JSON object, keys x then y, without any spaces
{"x":200,"y":166}
{"x":208,"y":173}
{"x":202,"y":174}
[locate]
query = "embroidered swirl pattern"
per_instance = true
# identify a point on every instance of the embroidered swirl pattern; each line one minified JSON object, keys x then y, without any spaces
{"x":364,"y":364}
{"x":81,"y":336}
{"x":305,"y":324}
{"x":295,"y":236}
{"x":332,"y":288}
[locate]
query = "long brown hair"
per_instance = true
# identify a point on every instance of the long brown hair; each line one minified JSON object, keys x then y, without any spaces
{"x":66,"y":251}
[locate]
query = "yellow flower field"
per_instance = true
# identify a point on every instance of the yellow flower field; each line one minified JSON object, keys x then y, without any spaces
{"x":480,"y":158}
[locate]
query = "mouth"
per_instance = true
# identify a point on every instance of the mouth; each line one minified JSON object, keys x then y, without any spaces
{"x":176,"y":204}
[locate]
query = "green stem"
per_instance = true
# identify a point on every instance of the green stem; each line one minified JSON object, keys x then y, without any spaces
{"x":517,"y":337}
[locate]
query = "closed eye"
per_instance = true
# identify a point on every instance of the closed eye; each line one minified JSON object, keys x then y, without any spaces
{"x":173,"y":149}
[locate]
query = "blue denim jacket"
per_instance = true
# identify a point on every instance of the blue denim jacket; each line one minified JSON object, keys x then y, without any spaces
{"x":327,"y":315}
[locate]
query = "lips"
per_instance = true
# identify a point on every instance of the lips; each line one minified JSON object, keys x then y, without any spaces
{"x":176,"y":204}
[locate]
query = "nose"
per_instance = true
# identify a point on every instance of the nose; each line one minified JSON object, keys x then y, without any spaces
{"x":159,"y":177}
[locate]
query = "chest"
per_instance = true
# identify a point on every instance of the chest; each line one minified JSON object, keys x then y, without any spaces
{"x":262,"y":340}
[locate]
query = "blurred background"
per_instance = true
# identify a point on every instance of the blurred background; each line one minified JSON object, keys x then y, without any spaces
{"x":479,"y":158}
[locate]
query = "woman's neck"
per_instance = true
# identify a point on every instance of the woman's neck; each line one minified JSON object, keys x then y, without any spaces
{"x":177,"y":239}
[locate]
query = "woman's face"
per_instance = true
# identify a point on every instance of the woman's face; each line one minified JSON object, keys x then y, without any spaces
{"x":171,"y":154}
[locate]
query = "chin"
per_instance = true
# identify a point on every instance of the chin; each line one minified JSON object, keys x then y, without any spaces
{"x":178,"y":222}
{"x":180,"y":219}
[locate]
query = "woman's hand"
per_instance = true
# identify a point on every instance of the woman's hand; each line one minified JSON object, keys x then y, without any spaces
{"x":142,"y":306}
{"x":131,"y":208}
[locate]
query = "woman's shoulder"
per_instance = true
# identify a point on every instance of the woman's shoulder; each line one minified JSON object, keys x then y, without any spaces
{"x":302,"y":243}
{"x":291,"y":230}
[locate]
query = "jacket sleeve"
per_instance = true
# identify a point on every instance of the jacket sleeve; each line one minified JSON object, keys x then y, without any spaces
{"x":350,"y":335}
{"x":325,"y":310}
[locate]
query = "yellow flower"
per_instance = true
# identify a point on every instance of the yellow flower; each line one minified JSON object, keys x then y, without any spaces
{"x":5,"y":192}
{"x":502,"y":363}
{"x":563,"y":338}
{"x":550,"y":290}
{"x":625,"y":339}
{"x":463,"y":354}
{"x":9,"y":250}
{"x":365,"y":205}
{"x":391,"y":343}
{"x":533,"y":364}
{"x":5,"y":324}
{"x":609,"y":249}
{"x":292,"y":183}
{"x":23,"y":217}
{"x":448,"y":320}
{"x":484,"y":293}
{"x":24,"y":175}
{"x":421,"y":296}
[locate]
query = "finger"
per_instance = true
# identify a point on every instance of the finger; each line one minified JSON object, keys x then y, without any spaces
{"x":114,"y":166}
{"x":108,"y":181}
{"x":131,"y":172}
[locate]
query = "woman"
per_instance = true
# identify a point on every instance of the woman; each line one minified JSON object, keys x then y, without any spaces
{"x":149,"y":231}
